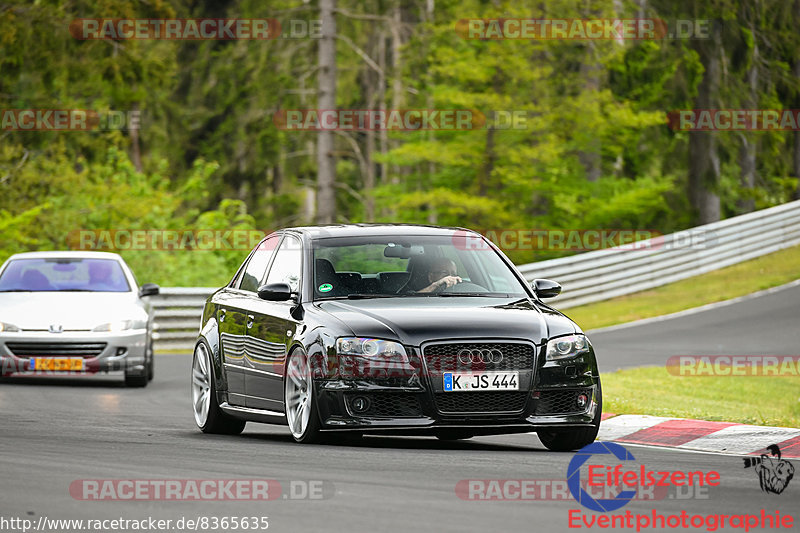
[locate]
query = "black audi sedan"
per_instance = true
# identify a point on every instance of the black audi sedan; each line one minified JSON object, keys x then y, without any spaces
{"x":392,"y":329}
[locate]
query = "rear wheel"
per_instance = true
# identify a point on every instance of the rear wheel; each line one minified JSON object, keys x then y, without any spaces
{"x":299,"y":401}
{"x":565,"y":440}
{"x":207,"y":414}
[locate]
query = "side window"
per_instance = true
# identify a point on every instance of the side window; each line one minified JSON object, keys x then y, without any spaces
{"x":257,"y":266}
{"x":288,"y":264}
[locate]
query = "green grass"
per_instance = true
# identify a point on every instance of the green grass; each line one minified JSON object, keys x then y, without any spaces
{"x":768,"y":401}
{"x":737,"y":280}
{"x":765,"y":401}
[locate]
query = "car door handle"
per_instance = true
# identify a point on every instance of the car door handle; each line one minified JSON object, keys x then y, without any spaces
{"x":222,"y":315}
{"x":250,"y":319}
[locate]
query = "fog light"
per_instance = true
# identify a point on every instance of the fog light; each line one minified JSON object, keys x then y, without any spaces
{"x":360,"y":404}
{"x":583,"y":400}
{"x":121,"y":351}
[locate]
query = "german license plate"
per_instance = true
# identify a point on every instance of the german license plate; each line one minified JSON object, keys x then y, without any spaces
{"x":468,"y":381}
{"x":56,"y":364}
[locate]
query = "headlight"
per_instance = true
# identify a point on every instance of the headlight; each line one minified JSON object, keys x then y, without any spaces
{"x":369,"y":347}
{"x":569,"y":346}
{"x":122,"y":325}
{"x":5,"y":326}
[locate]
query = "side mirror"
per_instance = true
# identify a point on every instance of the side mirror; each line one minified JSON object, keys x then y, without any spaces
{"x":148,"y":289}
{"x":546,"y":288}
{"x":275,"y":292}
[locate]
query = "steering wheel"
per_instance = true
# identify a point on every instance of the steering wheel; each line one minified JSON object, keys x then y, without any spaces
{"x":464,"y":286}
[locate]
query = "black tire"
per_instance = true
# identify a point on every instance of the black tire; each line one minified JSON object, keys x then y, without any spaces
{"x":217,"y":422}
{"x":566,"y":440}
{"x":453,"y":434}
{"x":135,"y":381}
{"x":311,"y":433}
{"x":151,"y":365}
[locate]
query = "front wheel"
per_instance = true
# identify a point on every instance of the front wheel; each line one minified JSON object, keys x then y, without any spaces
{"x":299,"y":401}
{"x":151,"y":370}
{"x":207,"y":414}
{"x":135,"y":381}
{"x":565,"y":440}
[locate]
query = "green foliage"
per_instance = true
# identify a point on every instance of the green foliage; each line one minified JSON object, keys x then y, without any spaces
{"x":594,"y":153}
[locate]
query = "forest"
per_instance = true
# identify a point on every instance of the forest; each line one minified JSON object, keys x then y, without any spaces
{"x":441,"y":120}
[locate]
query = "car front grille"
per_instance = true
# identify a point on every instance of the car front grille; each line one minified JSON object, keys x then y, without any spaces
{"x":560,"y":402}
{"x":444,"y":357}
{"x":387,"y":404}
{"x":56,"y":349}
{"x":481,"y":402}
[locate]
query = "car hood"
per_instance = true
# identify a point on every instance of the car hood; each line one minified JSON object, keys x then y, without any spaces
{"x":71,"y":310}
{"x":413,"y":321}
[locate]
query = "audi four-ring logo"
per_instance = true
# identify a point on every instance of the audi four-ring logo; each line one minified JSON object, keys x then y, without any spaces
{"x":467,"y":356}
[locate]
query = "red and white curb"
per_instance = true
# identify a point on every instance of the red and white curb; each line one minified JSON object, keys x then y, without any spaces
{"x":687,"y":434}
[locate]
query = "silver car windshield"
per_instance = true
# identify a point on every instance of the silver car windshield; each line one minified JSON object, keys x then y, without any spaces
{"x":378,"y":266}
{"x":63,"y":274}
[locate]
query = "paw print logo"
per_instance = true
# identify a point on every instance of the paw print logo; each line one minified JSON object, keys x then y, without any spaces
{"x":773,"y":472}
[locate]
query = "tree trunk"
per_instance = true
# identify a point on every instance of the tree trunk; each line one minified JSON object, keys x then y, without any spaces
{"x":704,"y":166}
{"x":326,"y":99}
{"x":749,"y":148}
{"x":747,"y":173}
{"x":136,"y":149}
{"x":796,"y":135}
{"x":397,"y":82}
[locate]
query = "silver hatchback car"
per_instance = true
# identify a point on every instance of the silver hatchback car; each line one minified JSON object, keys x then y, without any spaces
{"x":74,"y":313}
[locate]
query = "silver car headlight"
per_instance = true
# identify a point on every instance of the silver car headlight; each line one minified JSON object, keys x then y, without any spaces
{"x":565,"y":347}
{"x":121,"y":325}
{"x":370,"y":347}
{"x":5,"y":326}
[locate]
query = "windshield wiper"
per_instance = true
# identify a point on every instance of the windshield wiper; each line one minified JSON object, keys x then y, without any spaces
{"x":356,"y":296}
{"x":470,"y":294}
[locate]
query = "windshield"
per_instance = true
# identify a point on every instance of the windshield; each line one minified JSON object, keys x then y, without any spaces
{"x":377,"y":266}
{"x":64,"y":274}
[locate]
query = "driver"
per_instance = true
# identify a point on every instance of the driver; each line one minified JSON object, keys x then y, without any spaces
{"x":100,"y":275}
{"x":441,"y":275}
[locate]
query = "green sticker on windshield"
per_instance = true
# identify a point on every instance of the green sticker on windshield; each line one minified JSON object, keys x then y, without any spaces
{"x":325,"y":287}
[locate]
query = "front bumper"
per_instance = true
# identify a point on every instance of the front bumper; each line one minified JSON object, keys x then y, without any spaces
{"x":101,"y":351}
{"x":416,"y":410}
{"x":412,"y":400}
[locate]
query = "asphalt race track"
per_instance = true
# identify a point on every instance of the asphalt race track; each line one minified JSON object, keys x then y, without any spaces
{"x":56,"y":431}
{"x":762,"y":325}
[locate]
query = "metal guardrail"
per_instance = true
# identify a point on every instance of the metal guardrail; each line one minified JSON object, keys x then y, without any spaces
{"x":585,"y":278}
{"x":177,"y":312}
{"x":603,"y":274}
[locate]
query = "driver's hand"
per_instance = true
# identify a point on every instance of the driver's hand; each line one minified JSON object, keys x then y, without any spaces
{"x":448,"y":281}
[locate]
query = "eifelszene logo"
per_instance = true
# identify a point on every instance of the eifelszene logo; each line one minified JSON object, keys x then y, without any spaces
{"x":773,"y":472}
